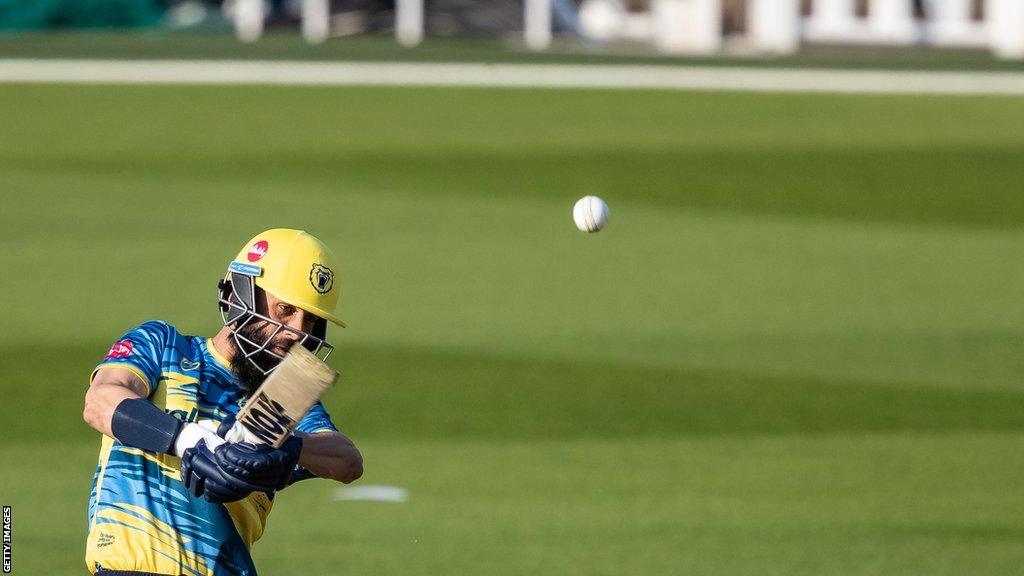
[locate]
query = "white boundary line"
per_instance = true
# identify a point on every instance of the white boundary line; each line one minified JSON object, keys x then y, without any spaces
{"x":604,"y":76}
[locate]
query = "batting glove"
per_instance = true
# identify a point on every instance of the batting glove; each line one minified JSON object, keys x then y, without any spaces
{"x":259,"y":464}
{"x":267,"y":466}
{"x":203,"y":476}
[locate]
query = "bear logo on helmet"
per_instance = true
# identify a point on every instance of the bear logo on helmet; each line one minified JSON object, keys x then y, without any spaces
{"x":321,"y":278}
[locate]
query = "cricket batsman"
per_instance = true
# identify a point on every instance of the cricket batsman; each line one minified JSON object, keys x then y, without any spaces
{"x":169,"y":496}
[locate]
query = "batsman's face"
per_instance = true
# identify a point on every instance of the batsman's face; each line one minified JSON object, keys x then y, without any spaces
{"x":296,"y":321}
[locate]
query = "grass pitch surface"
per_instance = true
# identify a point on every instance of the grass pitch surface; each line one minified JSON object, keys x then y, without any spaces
{"x":795,"y":349}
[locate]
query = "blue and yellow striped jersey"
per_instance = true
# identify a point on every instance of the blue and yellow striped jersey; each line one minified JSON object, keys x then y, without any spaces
{"x":140,"y":515}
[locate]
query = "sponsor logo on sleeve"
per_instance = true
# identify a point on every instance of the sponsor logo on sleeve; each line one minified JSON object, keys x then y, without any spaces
{"x":121,"y":349}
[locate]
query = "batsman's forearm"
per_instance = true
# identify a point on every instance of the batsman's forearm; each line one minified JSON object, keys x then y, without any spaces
{"x":116,"y":407}
{"x":100,"y":402}
{"x":331,"y":455}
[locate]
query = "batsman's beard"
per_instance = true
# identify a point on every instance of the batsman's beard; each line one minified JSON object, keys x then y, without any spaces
{"x":248,"y":369}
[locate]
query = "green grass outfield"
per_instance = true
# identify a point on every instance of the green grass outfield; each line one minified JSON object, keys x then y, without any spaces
{"x":795,"y":350}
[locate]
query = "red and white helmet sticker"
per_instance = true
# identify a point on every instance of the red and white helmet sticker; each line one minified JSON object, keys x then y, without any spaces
{"x":121,"y":349}
{"x":257,"y":251}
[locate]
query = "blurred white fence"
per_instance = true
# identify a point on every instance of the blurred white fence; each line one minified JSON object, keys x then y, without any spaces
{"x":696,"y":26}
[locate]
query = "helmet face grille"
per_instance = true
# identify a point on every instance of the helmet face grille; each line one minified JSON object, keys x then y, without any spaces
{"x":238,"y":310}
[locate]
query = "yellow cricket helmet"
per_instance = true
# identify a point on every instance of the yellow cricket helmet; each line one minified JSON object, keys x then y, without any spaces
{"x":293,"y":266}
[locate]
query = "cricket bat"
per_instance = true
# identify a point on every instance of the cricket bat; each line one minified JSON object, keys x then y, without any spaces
{"x":285,"y":397}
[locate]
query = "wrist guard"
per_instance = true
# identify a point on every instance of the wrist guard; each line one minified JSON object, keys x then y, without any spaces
{"x":140,"y":424}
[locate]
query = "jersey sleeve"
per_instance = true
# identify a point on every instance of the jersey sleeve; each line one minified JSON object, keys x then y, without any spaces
{"x":318,"y":420}
{"x":139,"y":350}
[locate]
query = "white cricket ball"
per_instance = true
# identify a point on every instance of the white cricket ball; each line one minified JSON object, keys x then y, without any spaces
{"x":590,"y":214}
